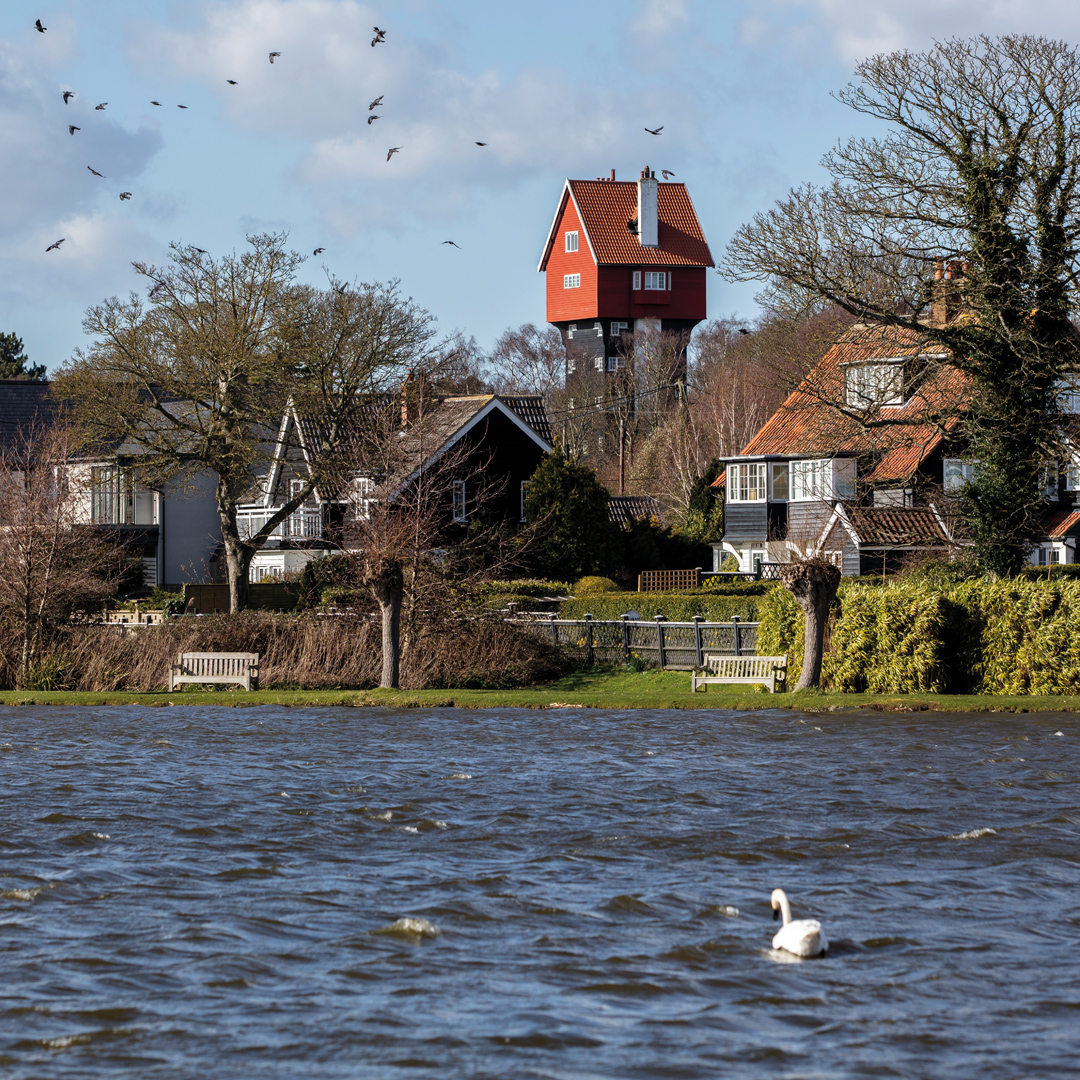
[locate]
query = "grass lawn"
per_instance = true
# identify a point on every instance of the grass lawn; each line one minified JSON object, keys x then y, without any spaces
{"x":606,"y":688}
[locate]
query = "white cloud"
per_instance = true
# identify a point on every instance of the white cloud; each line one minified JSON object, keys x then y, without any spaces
{"x":659,"y":18}
{"x":856,"y":29}
{"x":318,"y":93}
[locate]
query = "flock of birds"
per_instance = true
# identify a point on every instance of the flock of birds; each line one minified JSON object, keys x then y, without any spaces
{"x":379,"y":38}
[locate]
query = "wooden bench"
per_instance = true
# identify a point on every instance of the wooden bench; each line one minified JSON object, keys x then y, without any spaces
{"x":769,"y":670}
{"x":216,"y":667}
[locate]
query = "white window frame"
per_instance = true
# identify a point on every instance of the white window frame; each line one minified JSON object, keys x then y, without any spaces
{"x":876,"y":383}
{"x":1068,"y":393}
{"x":599,"y":328}
{"x":1072,"y":473}
{"x":956,"y":472}
{"x":598,"y":363}
{"x":571,"y":330}
{"x":615,"y":362}
{"x":572,"y":240}
{"x":459,"y":501}
{"x":571,"y":365}
{"x":810,"y":480}
{"x":637,"y":281}
{"x":618,"y":329}
{"x":524,"y":491}
{"x":746,"y":482}
{"x":835,"y":556}
{"x":655,"y":281}
{"x":365,"y":490}
{"x":571,"y":281}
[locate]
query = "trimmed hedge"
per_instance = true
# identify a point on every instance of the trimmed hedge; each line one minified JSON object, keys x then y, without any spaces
{"x":679,"y":606}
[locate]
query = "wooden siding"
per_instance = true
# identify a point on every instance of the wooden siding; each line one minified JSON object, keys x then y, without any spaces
{"x":571,"y":305}
{"x":746,"y":522}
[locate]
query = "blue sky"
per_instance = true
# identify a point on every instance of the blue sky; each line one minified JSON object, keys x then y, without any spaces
{"x":556,"y":89}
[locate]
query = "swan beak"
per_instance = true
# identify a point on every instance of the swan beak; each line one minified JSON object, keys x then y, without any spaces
{"x":775,"y":914}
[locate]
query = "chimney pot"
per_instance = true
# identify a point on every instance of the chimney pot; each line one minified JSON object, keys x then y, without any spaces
{"x":612,"y":174}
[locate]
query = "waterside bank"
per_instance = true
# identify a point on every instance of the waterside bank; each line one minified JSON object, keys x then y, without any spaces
{"x":598,"y":688}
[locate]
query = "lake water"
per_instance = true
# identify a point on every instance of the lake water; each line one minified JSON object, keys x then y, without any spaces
{"x":202,"y":892}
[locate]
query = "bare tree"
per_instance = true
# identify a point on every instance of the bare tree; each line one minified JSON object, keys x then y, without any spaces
{"x":196,"y":381}
{"x":814,"y":582}
{"x":976,"y":177}
{"x":51,"y":564}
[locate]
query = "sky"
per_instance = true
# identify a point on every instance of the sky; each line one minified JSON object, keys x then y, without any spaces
{"x":562,"y":88}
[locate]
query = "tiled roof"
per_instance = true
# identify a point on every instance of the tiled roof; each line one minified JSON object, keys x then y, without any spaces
{"x":21,"y":404}
{"x":807,"y":425}
{"x":625,"y":509}
{"x":531,"y":410}
{"x":1061,"y":523}
{"x":903,"y":526}
{"x":607,"y":205}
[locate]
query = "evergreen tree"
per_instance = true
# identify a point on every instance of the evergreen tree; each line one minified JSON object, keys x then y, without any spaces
{"x":13,"y":361}
{"x":575,"y":536}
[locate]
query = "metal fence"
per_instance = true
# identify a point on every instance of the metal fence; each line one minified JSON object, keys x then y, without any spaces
{"x":681,"y":646}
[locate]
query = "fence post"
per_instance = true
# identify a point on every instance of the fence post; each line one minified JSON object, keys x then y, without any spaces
{"x":639,"y":583}
{"x":737,"y":634}
{"x":554,"y":631}
{"x":588,"y":639}
{"x":698,"y":619}
{"x":697,"y":577}
{"x":626,"y":638}
{"x":660,"y":640}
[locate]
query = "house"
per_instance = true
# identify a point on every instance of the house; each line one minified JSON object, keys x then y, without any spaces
{"x":173,"y":528}
{"x":623,"y":257}
{"x":817,"y":479}
{"x":495,"y":444}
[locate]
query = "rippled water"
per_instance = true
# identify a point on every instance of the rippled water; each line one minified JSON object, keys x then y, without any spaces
{"x":195,"y":892}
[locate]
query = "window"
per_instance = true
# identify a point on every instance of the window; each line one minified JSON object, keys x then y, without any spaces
{"x":571,"y":330}
{"x":615,"y":362}
{"x":365,"y":490}
{"x":459,"y":500}
{"x":571,"y":365}
{"x":599,"y":328}
{"x":835,"y":557}
{"x":571,"y":281}
{"x":1072,"y":474}
{"x":780,"y":482}
{"x":618,"y":329}
{"x":756,"y":559}
{"x":655,"y":279}
{"x":1047,"y":555}
{"x":524,"y":490}
{"x":598,"y":363}
{"x":637,"y":280}
{"x":572,"y":241}
{"x":956,"y":473}
{"x":866,"y":385}
{"x":810,"y":480}
{"x":746,"y":483}
{"x":1068,"y":394}
{"x":115,"y":498}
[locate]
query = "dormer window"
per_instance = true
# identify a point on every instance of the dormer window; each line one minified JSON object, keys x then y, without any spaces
{"x":572,"y":241}
{"x":875,"y":383}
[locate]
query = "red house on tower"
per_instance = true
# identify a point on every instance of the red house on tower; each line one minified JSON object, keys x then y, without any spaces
{"x":623,"y":257}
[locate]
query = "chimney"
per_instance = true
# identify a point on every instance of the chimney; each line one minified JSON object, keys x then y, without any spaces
{"x":612,"y":174}
{"x":647,"y":214}
{"x":946,"y":302}
{"x":415,"y":395}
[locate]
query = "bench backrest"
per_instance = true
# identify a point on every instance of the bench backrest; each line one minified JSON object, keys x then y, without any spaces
{"x":746,"y":666}
{"x":215,"y":663}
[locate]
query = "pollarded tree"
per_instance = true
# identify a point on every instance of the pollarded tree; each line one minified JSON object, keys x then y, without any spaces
{"x":978,"y":172}
{"x":196,"y":381}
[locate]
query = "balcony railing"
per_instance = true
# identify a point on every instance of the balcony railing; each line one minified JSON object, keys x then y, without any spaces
{"x":304,"y":524}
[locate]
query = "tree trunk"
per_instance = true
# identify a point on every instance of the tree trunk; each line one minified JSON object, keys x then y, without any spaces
{"x":238,"y":557}
{"x":388,"y":584}
{"x":813,"y":583}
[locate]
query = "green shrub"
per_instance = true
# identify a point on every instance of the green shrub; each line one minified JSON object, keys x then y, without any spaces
{"x":675,"y":606}
{"x":587,"y":586}
{"x":782,"y":629}
{"x":534,"y":587}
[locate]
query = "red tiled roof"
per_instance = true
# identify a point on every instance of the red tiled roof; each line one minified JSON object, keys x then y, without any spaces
{"x":807,"y":425}
{"x":885,"y":526}
{"x":1061,"y":523}
{"x":605,"y":206}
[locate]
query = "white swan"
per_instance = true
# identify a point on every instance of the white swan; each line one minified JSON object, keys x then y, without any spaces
{"x":803,"y":937}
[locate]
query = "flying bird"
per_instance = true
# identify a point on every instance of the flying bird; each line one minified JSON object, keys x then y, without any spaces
{"x":56,"y":246}
{"x":376,"y":103}
{"x":318,"y":251}
{"x":38,"y":27}
{"x":340,"y":289}
{"x":272,"y":55}
{"x":181,"y":106}
{"x":380,"y":35}
{"x":666,"y":175}
{"x":655,"y":131}
{"x":743,"y":330}
{"x":481,"y":144}
{"x":94,"y":171}
{"x":68,"y":95}
{"x":458,"y":246}
{"x":202,"y":251}
{"x":101,"y":107}
{"x":231,"y":82}
{"x":372,"y":118}
{"x":72,"y":129}
{"x":392,"y":151}
{"x":156,"y":286}
{"x":155,"y":103}
{"x":125,"y":195}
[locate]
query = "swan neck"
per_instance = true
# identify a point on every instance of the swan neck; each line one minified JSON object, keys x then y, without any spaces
{"x":785,"y":908}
